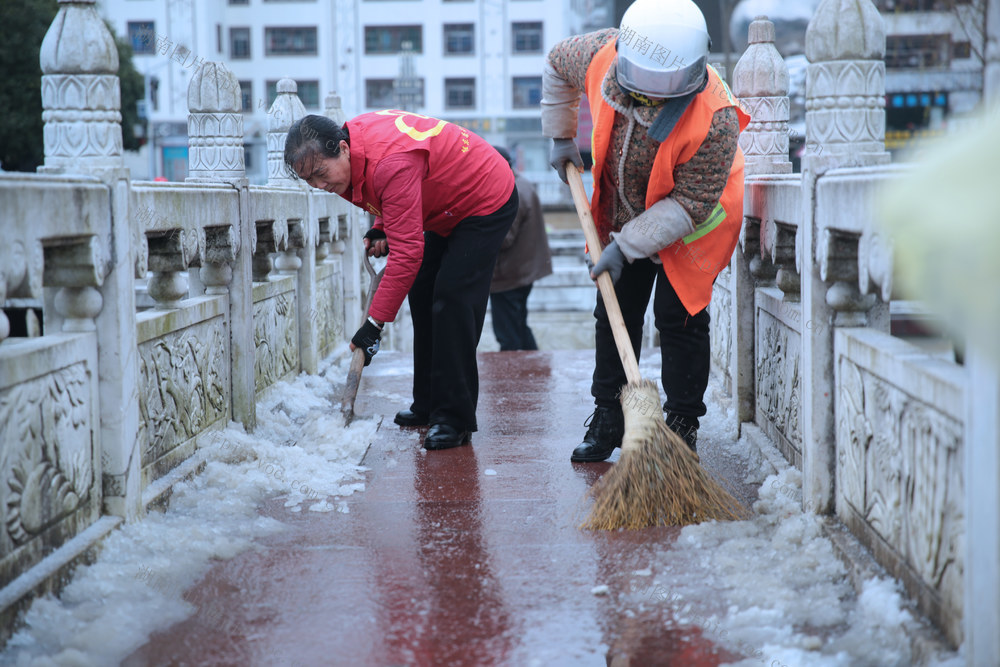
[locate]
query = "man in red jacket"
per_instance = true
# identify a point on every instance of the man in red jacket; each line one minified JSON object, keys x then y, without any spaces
{"x":443,"y":200}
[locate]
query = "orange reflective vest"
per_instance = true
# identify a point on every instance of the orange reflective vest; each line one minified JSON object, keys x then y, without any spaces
{"x":693,"y":262}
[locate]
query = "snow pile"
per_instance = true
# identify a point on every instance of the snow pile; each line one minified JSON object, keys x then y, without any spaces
{"x":780,"y":594}
{"x":300,"y":449}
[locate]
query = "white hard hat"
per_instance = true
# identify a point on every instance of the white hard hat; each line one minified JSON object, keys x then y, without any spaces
{"x":662,"y":48}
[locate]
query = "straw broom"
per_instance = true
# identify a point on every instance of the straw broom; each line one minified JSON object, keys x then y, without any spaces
{"x":658,"y":481}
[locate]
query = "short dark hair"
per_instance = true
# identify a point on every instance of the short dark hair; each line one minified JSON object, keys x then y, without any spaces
{"x":313,"y":135}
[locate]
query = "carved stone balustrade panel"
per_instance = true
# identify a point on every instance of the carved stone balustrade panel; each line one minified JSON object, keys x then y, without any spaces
{"x":721,"y":334}
{"x":184,"y":382}
{"x":50,"y":470}
{"x":329,"y":311}
{"x":900,"y":449}
{"x":778,"y":349}
{"x":275,"y":331}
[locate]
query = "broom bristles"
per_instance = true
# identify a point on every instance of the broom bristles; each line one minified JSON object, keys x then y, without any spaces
{"x":658,"y":480}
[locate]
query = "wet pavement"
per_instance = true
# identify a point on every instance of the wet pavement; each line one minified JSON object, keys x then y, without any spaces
{"x":469,"y":556}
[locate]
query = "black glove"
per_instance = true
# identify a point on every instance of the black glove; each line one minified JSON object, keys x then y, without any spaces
{"x":368,"y":338}
{"x":374,"y":234}
{"x":612,"y":260}
{"x":563,"y":151}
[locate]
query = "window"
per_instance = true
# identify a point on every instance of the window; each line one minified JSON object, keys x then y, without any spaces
{"x":385,"y":94}
{"x":459,"y":93}
{"x":527,"y":37}
{"x":459,"y":38}
{"x":246,"y":96}
{"x":918,"y":51}
{"x":308,"y":92}
{"x":142,"y":37}
{"x":527,"y":91}
{"x":218,"y":38}
{"x":389,"y":38}
{"x":290,"y":41}
{"x":239,"y":43}
{"x":378,"y":93}
{"x":239,"y":2}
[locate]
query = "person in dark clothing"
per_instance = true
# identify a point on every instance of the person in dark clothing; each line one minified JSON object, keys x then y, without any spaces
{"x":524,"y":258}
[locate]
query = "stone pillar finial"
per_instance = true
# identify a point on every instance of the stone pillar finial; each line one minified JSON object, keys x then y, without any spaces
{"x":760,"y":81}
{"x":333,"y":110}
{"x":287,"y":109}
{"x":81,"y":96}
{"x":215,"y":125}
{"x":845,"y":84}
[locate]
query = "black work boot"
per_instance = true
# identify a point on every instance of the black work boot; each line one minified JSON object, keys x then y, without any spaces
{"x":686,"y":427}
{"x":606,"y":428}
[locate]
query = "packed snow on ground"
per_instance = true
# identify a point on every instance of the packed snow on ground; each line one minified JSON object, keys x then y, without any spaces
{"x":772,"y":588}
{"x":300,"y":450}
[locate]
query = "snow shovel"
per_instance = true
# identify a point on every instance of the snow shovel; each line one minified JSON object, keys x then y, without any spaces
{"x":358,"y":356}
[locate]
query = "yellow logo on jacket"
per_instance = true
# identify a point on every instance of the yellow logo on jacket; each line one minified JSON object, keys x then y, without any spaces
{"x":410,"y":131}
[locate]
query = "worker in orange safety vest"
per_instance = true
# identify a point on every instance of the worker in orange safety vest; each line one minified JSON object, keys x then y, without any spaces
{"x":667,"y":197}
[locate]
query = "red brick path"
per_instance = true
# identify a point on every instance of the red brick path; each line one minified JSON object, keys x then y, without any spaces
{"x":440,"y":562}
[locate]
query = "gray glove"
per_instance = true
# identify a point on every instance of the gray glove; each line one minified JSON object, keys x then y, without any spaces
{"x":563,"y":151}
{"x":612,"y":260}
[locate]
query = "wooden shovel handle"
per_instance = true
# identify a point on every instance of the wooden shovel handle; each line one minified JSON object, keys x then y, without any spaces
{"x":604,"y":283}
{"x":358,"y":356}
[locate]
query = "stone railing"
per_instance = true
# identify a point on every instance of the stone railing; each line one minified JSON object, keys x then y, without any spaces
{"x":166,"y":307}
{"x":801,"y":328}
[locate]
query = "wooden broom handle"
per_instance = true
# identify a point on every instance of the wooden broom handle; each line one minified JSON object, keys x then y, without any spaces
{"x":604,"y":283}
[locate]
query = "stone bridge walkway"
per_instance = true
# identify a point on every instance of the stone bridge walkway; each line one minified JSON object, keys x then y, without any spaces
{"x":467,"y":556}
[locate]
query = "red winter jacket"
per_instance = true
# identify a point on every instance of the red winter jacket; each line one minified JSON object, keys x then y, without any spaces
{"x":417,"y":174}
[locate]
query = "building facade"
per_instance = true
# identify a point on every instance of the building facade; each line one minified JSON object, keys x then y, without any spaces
{"x":473,"y":62}
{"x":934,"y":66}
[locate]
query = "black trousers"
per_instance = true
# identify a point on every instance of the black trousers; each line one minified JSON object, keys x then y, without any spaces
{"x":510,"y":319}
{"x":684,"y":342}
{"x":448,"y":307}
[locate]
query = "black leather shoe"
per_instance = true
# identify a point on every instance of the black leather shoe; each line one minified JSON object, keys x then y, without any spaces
{"x":606,"y":428}
{"x":444,"y":436}
{"x":686,"y":427}
{"x":410,"y":418}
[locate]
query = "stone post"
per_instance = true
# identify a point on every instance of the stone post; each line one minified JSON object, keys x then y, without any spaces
{"x":81,"y":103}
{"x":760,"y":81}
{"x":982,"y":507}
{"x":215,"y":154}
{"x":982,"y":446}
{"x":845,"y":127}
{"x":300,"y":252}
